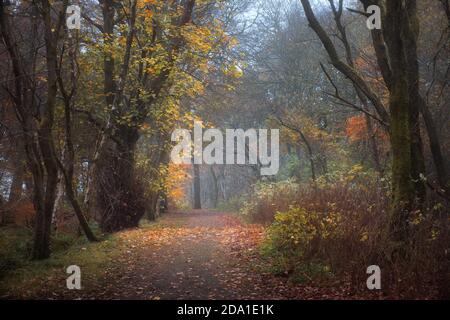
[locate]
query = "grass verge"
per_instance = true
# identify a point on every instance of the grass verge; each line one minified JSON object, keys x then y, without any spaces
{"x":22,"y":278}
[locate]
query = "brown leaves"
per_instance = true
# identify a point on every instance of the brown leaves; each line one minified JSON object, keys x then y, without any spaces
{"x":201,"y":255}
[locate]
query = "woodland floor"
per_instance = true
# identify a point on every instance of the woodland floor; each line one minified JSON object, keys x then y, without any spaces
{"x":195,"y":255}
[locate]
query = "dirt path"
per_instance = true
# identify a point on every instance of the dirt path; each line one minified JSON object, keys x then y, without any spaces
{"x":196,"y":255}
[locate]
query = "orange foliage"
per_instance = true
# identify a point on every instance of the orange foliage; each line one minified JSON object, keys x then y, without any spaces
{"x":176,"y":181}
{"x":356,"y":128}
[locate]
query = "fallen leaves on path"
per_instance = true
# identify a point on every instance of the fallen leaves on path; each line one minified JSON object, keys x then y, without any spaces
{"x":200,"y":255}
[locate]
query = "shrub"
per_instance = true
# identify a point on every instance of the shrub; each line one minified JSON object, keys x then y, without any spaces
{"x":292,"y":240}
{"x":269,"y":198}
{"x":338,"y":226}
{"x":293,"y":232}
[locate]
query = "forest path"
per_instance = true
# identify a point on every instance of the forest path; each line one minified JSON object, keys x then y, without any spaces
{"x":190,"y":255}
{"x":195,"y":255}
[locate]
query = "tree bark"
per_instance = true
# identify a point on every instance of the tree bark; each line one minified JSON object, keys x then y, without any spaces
{"x":59,"y":201}
{"x":152,"y":210}
{"x":411,"y":36}
{"x":119,"y":194}
{"x":197,"y":188}
{"x":402,"y":125}
{"x":435,"y":145}
{"x":215,"y":188}
{"x":373,"y":145}
{"x":16,"y":190}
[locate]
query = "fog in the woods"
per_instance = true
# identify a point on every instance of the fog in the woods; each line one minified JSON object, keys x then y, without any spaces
{"x":232,"y":149}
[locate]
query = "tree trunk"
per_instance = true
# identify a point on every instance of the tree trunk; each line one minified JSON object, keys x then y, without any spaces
{"x":223,"y":183}
{"x":411,"y":35}
{"x":78,"y":211}
{"x":152,"y":210}
{"x":373,"y":145}
{"x":87,"y":194}
{"x":403,"y":191}
{"x":59,"y":202}
{"x":2,"y":211}
{"x":310,"y":155}
{"x":60,"y":190}
{"x":215,"y":188}
{"x":197,"y":186}
{"x":67,"y":169}
{"x":41,"y":249}
{"x":435,"y":146}
{"x":403,"y":148}
{"x":16,"y":190}
{"x":119,"y":195}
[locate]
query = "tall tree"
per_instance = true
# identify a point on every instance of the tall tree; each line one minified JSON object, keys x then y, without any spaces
{"x":400,"y":72}
{"x":120,"y":201}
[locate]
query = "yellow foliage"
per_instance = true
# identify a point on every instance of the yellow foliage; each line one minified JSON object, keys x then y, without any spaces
{"x":176,"y":181}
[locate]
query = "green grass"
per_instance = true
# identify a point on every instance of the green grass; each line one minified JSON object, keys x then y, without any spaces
{"x":15,"y":248}
{"x":19,"y":274}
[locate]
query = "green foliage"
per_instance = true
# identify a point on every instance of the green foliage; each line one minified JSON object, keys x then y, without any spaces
{"x":292,"y":166}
